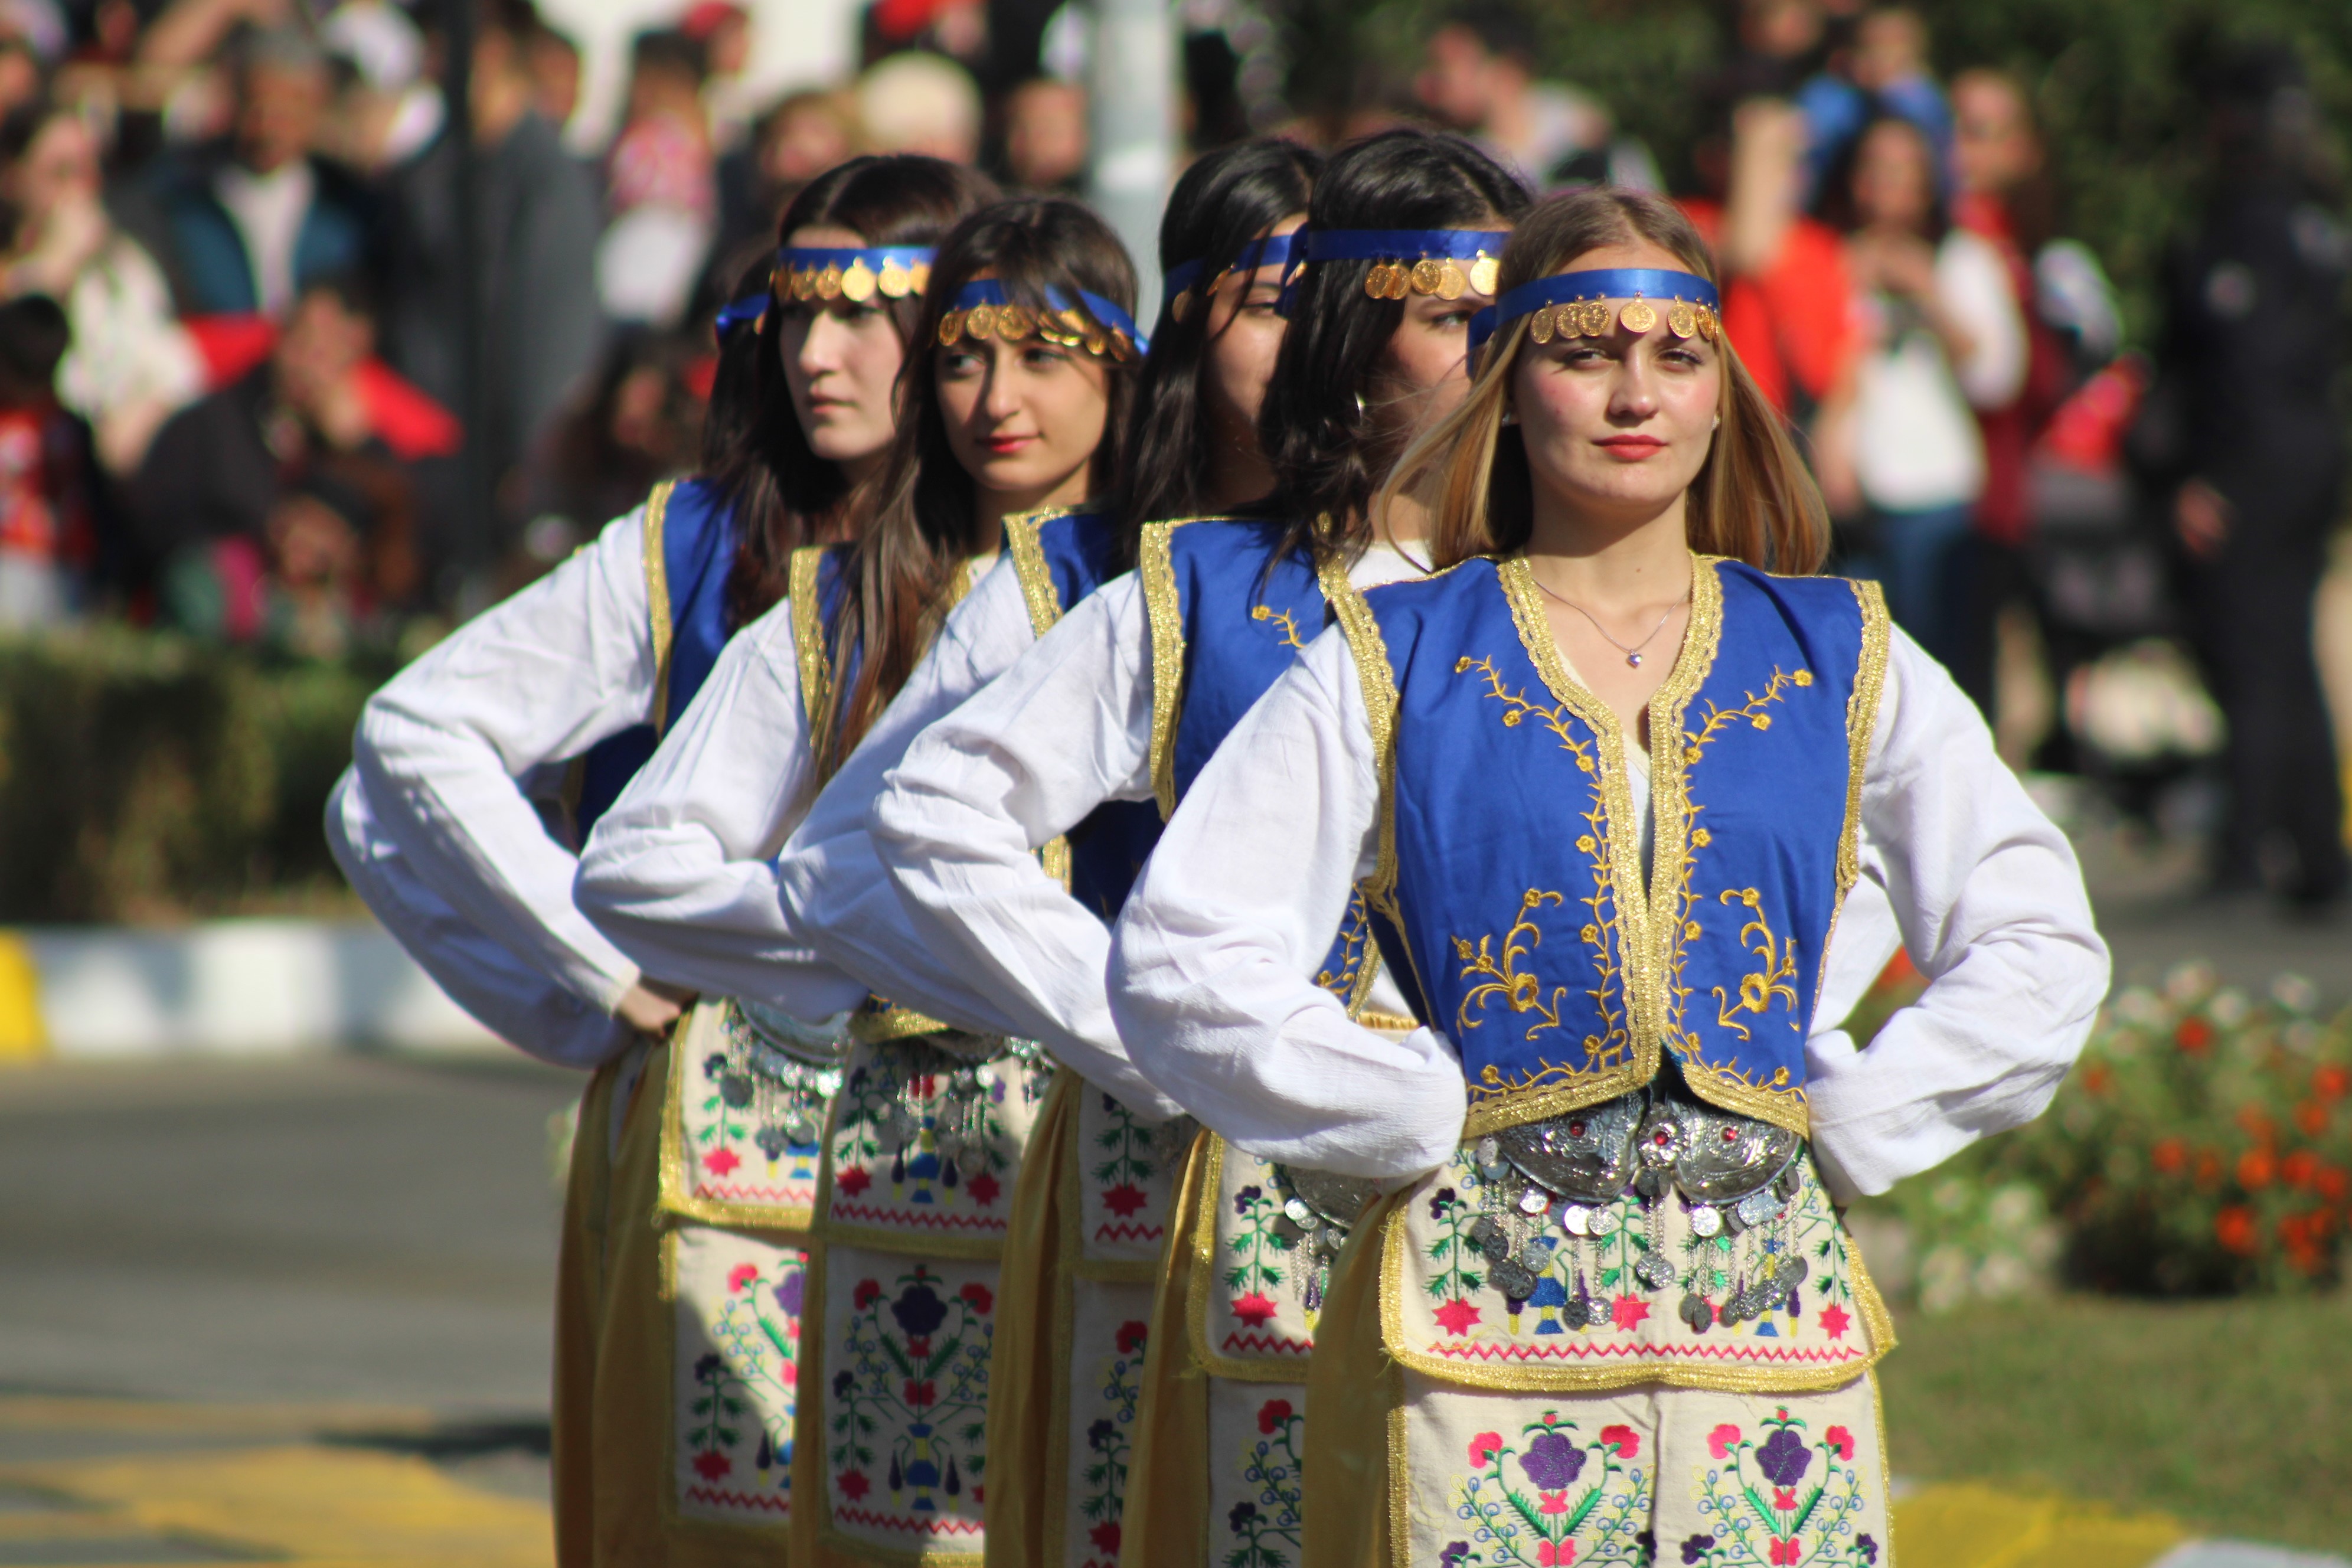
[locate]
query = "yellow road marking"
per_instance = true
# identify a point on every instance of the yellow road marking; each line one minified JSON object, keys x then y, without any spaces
{"x":1967,"y":1525}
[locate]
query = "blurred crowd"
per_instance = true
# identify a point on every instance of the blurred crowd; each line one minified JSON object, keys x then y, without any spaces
{"x":238,"y":395}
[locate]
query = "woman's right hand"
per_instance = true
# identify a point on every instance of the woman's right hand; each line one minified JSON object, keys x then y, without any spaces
{"x":651,"y":1006}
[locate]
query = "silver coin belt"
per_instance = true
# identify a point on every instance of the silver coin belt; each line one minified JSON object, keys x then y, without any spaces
{"x":963,"y":1070}
{"x":1319,"y":1209}
{"x":1736,"y":1178}
{"x":784,"y":1072}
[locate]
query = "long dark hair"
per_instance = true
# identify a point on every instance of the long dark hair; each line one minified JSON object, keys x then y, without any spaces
{"x":1226,"y":200}
{"x":924,"y":522}
{"x":1313,"y":426}
{"x":782,"y":494}
{"x":1837,"y":205}
{"x":1753,"y":499}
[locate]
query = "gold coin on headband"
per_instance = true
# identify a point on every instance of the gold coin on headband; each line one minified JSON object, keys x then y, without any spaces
{"x":1180,"y":306}
{"x":1074,"y":326}
{"x":1426,"y":276}
{"x":828,"y":283}
{"x":857,"y":283}
{"x":1399,"y":280}
{"x":1451,"y":283}
{"x":920,"y":275}
{"x":980,"y":322}
{"x":893,"y":282}
{"x":1484,"y":273}
{"x":1015,"y":322}
{"x":1709,"y":324}
{"x":1680,"y":319}
{"x":951,"y":328}
{"x":1637,"y":317}
{"x":803,"y":285}
{"x":1376,"y":281}
{"x":1539,"y":325}
{"x":1593,"y":318}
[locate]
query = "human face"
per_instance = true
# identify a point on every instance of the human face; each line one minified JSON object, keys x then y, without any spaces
{"x":1423,"y":374}
{"x":60,"y":163}
{"x":1893,"y":185}
{"x":1993,"y":143}
{"x":1024,"y":419}
{"x":1245,"y":336}
{"x":1617,"y":427}
{"x":1455,"y":79}
{"x":277,"y":115}
{"x":841,"y":367}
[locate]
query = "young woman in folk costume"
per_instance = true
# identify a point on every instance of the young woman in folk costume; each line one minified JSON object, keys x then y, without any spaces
{"x":560,"y":694}
{"x":1114,"y":710}
{"x":1004,"y":410}
{"x":1640,"y":821}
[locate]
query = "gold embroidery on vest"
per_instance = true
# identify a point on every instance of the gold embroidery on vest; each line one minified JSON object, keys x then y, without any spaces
{"x":1752,"y":711}
{"x":1759,"y":991}
{"x":1284,"y":619}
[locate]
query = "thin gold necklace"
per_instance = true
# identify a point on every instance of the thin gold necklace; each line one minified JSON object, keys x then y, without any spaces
{"x":1633,"y":653}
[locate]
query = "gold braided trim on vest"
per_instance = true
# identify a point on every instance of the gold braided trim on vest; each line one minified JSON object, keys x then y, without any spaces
{"x":664,"y":633}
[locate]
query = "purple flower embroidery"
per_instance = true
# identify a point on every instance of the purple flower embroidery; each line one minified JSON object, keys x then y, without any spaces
{"x":1246,"y":1197}
{"x":919,"y":1311}
{"x":1867,"y":1547}
{"x":1099,"y":1434}
{"x":1441,"y":1200}
{"x":1240,"y":1516}
{"x":1696,"y":1548}
{"x":1452,"y":1557}
{"x":1783,"y":1457}
{"x":789,"y":1293}
{"x":1552,"y":1461}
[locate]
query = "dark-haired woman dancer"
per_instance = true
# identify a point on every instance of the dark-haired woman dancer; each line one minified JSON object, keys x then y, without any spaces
{"x":1120,"y":706}
{"x":560,"y":694}
{"x":1027,"y":361}
{"x":1609,"y":784}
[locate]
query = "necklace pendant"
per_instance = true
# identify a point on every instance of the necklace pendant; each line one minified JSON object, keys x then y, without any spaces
{"x":1634,"y":659}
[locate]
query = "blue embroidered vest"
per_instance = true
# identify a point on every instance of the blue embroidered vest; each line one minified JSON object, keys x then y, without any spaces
{"x":689,"y":547}
{"x":1228,"y":615}
{"x":1060,"y":558}
{"x":1510,"y":863}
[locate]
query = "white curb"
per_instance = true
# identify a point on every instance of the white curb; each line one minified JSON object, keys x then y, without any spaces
{"x":249,"y":987}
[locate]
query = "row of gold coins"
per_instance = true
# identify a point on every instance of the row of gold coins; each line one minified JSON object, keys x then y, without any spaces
{"x":1591,"y":319}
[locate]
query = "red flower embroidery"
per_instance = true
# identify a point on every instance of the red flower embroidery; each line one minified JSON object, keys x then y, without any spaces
{"x":1623,"y":1439}
{"x":1551,"y":1556}
{"x":920,"y":1394}
{"x":866,"y":1293}
{"x":1254,"y":1310}
{"x":1785,"y":1499}
{"x":1273,"y":1413}
{"x":721,"y":1162}
{"x":1106,"y":1537}
{"x":713,"y":1465}
{"x":1131,"y":1336}
{"x":982,"y":1300}
{"x":1841,"y":1441}
{"x":1786,"y":1553}
{"x":1627,"y":1312}
{"x":743,"y":1274}
{"x":1124,"y":1199}
{"x":1456,"y":1317}
{"x":983,"y":1188}
{"x":853,"y":1181}
{"x":1554,"y":1502}
{"x":1834,"y":1321}
{"x":854,"y":1485}
{"x":1483,"y":1447}
{"x":1722,"y":1440}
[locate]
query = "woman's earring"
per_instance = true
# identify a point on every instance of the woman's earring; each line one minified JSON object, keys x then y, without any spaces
{"x":1719,"y":423}
{"x":1510,"y":415}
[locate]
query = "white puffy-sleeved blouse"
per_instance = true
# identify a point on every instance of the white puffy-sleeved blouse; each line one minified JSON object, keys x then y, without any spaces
{"x":1209,"y":962}
{"x":438,"y":823}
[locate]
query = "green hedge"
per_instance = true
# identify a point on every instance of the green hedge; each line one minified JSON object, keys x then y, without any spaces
{"x":146,"y":778}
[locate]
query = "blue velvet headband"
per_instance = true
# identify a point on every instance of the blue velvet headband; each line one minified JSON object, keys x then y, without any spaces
{"x":737,"y":314}
{"x":981,"y":308}
{"x":1572,"y":304}
{"x":856,"y":274}
{"x":1274,"y":250}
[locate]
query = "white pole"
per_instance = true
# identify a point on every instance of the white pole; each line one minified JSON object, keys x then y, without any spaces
{"x":1133,"y":107}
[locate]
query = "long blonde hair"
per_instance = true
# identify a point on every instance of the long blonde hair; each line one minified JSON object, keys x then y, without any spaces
{"x":1753,"y":499}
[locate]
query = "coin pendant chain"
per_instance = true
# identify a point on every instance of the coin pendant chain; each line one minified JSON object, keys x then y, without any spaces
{"x":1633,"y":652}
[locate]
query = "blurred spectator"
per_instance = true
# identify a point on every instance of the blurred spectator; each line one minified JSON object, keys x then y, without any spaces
{"x":958,"y":30}
{"x":384,"y":113}
{"x":920,"y":103}
{"x":333,"y":557}
{"x":1045,"y":136}
{"x":44,"y":522}
{"x":552,"y":61}
{"x":130,"y":364}
{"x":802,"y":136}
{"x":1779,"y":45}
{"x":722,"y":31}
{"x":216,"y":470}
{"x":1945,"y":338}
{"x":1478,"y":77}
{"x":246,"y":226}
{"x":639,"y":423}
{"x":2247,"y":428}
{"x":534,"y":279}
{"x":1787,"y":299}
{"x":659,"y":187}
{"x":1885,"y":71}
